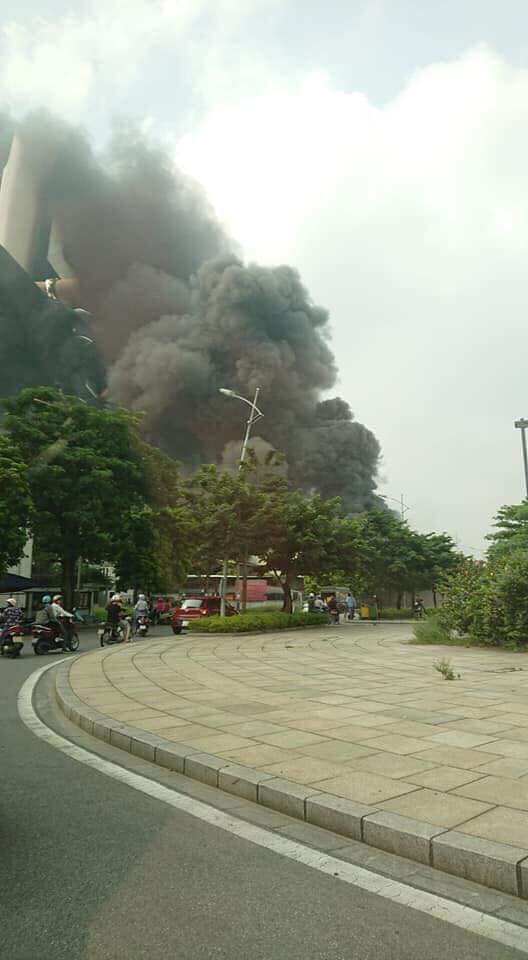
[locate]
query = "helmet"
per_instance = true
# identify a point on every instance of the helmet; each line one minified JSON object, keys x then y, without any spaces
{"x":58,"y":596}
{"x":11,"y":601}
{"x":46,"y":599}
{"x":141,"y":596}
{"x":116,"y":596}
{"x":311,"y":595}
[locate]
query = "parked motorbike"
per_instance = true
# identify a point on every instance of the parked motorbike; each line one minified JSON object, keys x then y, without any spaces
{"x":113,"y":632}
{"x":142,"y":625}
{"x":47,"y":638}
{"x":11,"y":645}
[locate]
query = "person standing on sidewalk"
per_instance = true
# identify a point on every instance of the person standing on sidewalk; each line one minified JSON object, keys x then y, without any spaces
{"x":350,"y":605}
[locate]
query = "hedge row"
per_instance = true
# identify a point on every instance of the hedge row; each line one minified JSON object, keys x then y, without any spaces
{"x":247,"y":622}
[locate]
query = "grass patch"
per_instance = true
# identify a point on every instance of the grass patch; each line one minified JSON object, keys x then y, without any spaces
{"x":257,"y":622}
{"x":430,"y":631}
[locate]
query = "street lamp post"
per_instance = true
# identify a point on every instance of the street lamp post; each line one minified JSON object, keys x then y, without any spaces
{"x":403,"y":506}
{"x":522,"y":425}
{"x":255,"y":415}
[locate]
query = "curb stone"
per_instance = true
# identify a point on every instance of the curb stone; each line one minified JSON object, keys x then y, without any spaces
{"x":496,"y":865}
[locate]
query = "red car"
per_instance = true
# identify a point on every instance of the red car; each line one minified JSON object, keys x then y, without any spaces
{"x":196,"y":607}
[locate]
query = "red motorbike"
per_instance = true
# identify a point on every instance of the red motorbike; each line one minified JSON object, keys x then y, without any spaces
{"x":12,"y":641}
{"x":48,"y":638}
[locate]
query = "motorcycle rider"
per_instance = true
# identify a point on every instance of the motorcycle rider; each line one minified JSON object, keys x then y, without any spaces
{"x":115,"y":614}
{"x":63,"y":618}
{"x":11,"y":617}
{"x":141,"y":609}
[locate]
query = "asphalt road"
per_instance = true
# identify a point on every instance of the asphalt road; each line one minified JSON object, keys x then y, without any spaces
{"x":90,"y":869}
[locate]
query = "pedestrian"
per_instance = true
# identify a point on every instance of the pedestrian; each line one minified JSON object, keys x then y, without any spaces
{"x":350,"y":605}
{"x":333,"y":608}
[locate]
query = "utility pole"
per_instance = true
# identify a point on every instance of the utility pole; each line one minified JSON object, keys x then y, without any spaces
{"x":255,"y":415}
{"x":522,"y":425}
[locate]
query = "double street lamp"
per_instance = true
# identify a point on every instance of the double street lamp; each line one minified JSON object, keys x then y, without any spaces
{"x":403,"y":506}
{"x":255,"y":415}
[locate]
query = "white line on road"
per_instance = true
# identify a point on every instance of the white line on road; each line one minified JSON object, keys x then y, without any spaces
{"x":472,"y":921}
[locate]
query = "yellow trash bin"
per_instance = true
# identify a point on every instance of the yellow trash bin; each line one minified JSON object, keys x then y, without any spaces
{"x":364,"y":612}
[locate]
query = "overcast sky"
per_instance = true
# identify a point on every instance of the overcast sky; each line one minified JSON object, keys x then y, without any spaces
{"x":380,"y":147}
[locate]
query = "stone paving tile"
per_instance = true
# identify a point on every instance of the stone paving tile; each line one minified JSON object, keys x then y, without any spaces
{"x":445,"y":778}
{"x":258,"y":755}
{"x":353,"y":732}
{"x":338,"y":751}
{"x":215,"y":742}
{"x":456,"y":756}
{"x":456,"y":738}
{"x":304,"y":770}
{"x":392,"y":765}
{"x":499,"y":790}
{"x":440,"y":809}
{"x":506,"y":748}
{"x":398,"y":744}
{"x":478,"y":726}
{"x":366,"y":788}
{"x":292,"y":738}
{"x":160,"y":721}
{"x":502,"y":824}
{"x":505,"y":767}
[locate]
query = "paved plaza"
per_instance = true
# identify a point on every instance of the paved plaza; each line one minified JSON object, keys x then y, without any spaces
{"x":354,"y":711}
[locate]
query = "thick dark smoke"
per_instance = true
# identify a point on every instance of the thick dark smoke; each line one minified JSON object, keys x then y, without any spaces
{"x":178,"y":315}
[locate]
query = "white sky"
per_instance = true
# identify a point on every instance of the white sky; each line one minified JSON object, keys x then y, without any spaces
{"x":379,"y":148}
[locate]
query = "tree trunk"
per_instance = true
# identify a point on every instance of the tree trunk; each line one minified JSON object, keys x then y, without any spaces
{"x":287,"y":604}
{"x":69,"y":566}
{"x":435,"y":604}
{"x":399,"y":601}
{"x":244,"y":592}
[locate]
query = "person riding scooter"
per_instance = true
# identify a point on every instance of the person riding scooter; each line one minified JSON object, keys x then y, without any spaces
{"x":12,"y":615}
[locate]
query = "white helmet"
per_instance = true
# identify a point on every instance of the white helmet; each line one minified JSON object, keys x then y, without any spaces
{"x":141,"y":596}
{"x":116,"y":596}
{"x":11,"y":601}
{"x":57,"y":597}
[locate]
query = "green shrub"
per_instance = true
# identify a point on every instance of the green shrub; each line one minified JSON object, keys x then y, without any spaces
{"x":247,"y":622}
{"x":392,"y":613}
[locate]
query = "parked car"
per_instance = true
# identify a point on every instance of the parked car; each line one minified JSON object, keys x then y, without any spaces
{"x":195,"y":607}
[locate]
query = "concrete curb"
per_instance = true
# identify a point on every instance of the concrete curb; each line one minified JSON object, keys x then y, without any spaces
{"x":496,"y":865}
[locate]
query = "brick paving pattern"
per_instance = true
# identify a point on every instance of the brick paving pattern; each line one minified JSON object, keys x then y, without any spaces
{"x":354,"y":711}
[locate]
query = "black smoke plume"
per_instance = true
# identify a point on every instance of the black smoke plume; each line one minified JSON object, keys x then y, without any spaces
{"x":178,"y":315}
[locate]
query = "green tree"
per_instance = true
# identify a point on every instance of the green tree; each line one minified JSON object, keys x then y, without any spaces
{"x":300,"y":536}
{"x":84,"y":472}
{"x":157,"y":546}
{"x":15,"y":504}
{"x":511,"y":530}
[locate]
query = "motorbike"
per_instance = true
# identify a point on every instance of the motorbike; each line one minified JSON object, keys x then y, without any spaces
{"x":142,"y":625}
{"x":11,"y":645}
{"x":113,"y":632}
{"x":47,"y":638}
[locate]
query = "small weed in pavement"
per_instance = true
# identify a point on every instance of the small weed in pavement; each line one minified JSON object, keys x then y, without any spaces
{"x":444,"y":667}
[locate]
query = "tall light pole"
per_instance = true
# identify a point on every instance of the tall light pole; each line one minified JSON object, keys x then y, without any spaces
{"x":522,"y":425}
{"x":255,"y":415}
{"x":403,"y":506}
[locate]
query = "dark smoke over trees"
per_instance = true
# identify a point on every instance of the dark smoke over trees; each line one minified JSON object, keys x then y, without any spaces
{"x":178,"y":315}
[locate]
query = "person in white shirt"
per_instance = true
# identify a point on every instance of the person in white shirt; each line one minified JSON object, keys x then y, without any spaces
{"x":62,"y":616}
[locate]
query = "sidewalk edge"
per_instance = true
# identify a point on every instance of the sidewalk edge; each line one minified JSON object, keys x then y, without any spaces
{"x":496,"y":865}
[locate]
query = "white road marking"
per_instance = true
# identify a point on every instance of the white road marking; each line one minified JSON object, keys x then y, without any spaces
{"x":466,"y":918}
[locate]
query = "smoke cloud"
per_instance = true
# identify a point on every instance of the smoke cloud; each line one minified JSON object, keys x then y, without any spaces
{"x":178,"y":315}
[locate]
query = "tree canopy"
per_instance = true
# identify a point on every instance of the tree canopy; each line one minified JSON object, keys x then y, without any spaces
{"x":84,"y":473}
{"x":15,"y":504}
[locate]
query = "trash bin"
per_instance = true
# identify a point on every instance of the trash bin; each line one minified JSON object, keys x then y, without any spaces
{"x":373,"y":612}
{"x":364,"y":612}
